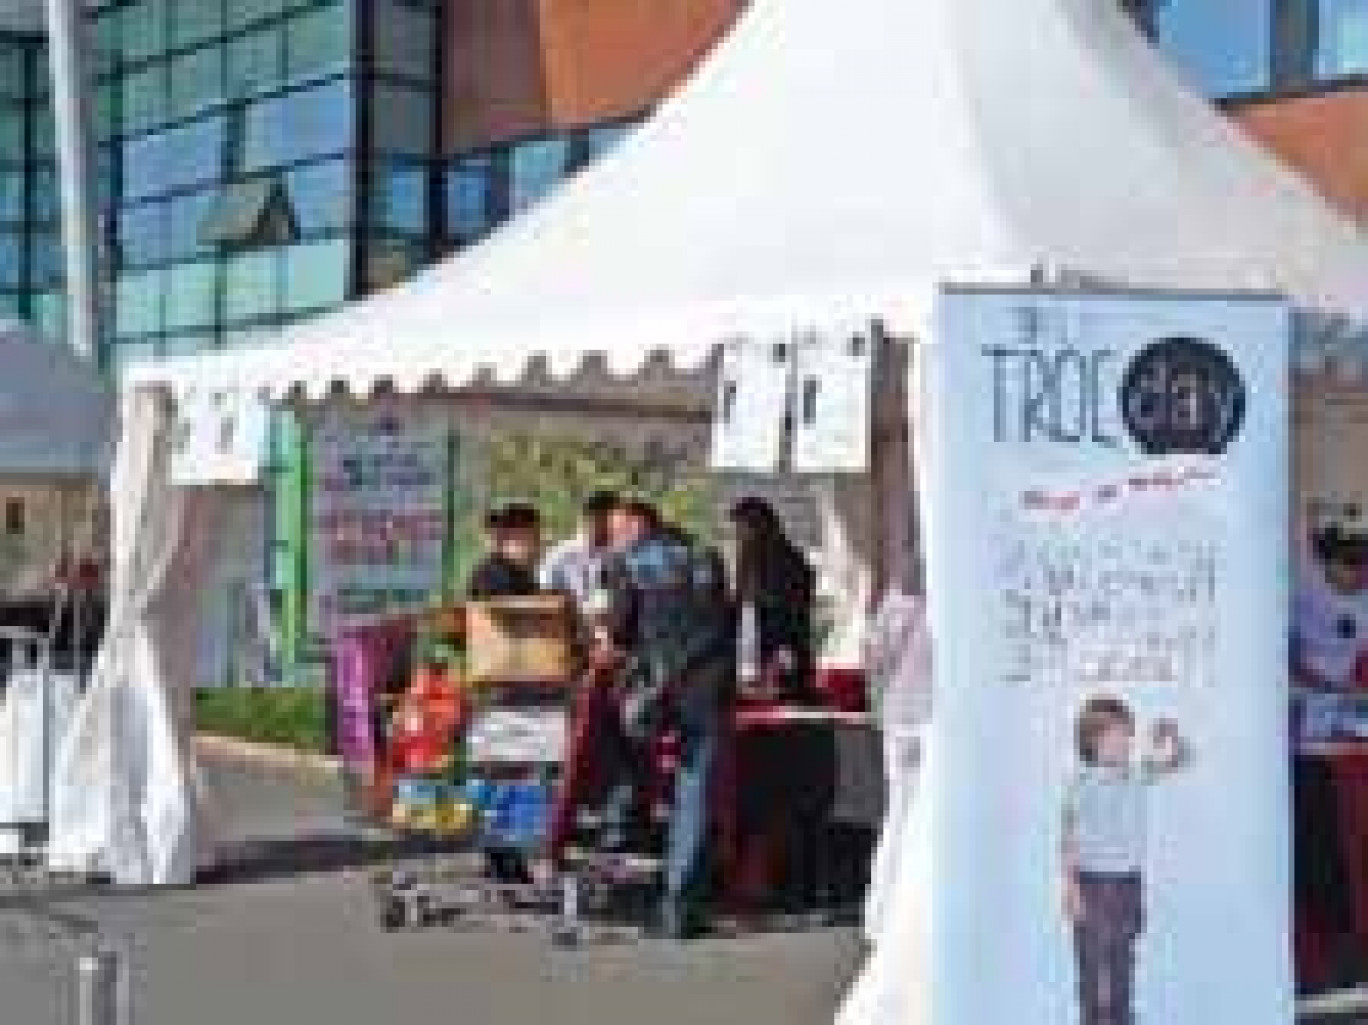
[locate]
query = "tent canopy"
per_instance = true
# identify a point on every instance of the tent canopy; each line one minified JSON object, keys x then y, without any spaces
{"x":56,"y":413}
{"x":839,"y":163}
{"x":829,"y":166}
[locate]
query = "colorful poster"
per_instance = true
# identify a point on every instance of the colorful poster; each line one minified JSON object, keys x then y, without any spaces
{"x":1107,"y":479}
{"x":1330,"y":555}
{"x":378,"y":512}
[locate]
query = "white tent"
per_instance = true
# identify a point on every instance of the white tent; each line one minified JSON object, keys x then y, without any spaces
{"x":826,"y":166}
{"x":56,"y":413}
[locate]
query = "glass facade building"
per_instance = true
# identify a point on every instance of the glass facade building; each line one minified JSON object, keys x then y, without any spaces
{"x":30,"y":249}
{"x":258,"y":161}
{"x":1239,"y":49}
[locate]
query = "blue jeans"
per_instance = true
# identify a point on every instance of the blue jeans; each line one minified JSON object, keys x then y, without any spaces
{"x":686,"y":858}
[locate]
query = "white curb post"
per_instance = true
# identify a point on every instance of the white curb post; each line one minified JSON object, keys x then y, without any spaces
{"x":102,"y":989}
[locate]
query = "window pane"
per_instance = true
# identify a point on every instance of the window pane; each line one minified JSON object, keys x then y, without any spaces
{"x":298,"y":125}
{"x":196,"y":81}
{"x":127,"y":354}
{"x":600,"y":140}
{"x":46,"y":265}
{"x":401,"y":120}
{"x":1227,"y":47}
{"x":174,"y":159}
{"x":400,"y":197}
{"x":44,"y":134}
{"x":1343,"y":38}
{"x":144,"y":29}
{"x":403,"y":42}
{"x":45,"y":200}
{"x":318,"y":42}
{"x":106,"y":110}
{"x":40,"y":78}
{"x":11,"y":196}
{"x":106,"y":175}
{"x":186,"y":344}
{"x":246,"y":12}
{"x":321,"y":195}
{"x":12,"y":135}
{"x":105,"y":40}
{"x":190,"y":295}
{"x":256,"y":62}
{"x":144,"y":99}
{"x":469,"y":197}
{"x":137,"y":308}
{"x":49,"y":313}
{"x":142,"y":235}
{"x":390,"y":261}
{"x":194,"y":21}
{"x":316,"y":274}
{"x":186,"y":216}
{"x":13,"y":72}
{"x":535,"y":169}
{"x":12,"y":305}
{"x":11,"y":259}
{"x":250,"y":286}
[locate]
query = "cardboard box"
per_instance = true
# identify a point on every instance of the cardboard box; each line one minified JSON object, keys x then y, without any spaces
{"x":521,"y":640}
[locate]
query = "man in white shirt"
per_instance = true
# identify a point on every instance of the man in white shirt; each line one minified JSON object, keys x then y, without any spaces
{"x":575,"y":566}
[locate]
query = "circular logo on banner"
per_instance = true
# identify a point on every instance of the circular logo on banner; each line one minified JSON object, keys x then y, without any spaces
{"x":1183,"y":396}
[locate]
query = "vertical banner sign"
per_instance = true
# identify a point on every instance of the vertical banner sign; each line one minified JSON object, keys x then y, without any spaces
{"x":751,"y":406}
{"x":833,"y":419}
{"x":377,"y":510}
{"x":1107,"y":577}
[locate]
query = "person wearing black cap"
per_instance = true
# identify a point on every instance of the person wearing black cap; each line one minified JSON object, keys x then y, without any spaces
{"x":509,"y":570}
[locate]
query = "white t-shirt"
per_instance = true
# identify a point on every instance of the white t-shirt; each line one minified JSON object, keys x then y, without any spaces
{"x":573,"y":567}
{"x":1105,"y":809}
{"x":1330,"y":629}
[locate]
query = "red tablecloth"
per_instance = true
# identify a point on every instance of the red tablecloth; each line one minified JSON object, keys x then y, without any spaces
{"x":1348,"y":765}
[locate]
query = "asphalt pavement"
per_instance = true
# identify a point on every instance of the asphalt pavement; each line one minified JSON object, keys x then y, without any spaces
{"x":288,"y":939}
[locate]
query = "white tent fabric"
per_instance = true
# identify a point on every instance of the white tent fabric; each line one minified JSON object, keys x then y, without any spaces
{"x":828,"y":162}
{"x":124,"y":780}
{"x":826,"y":166}
{"x":56,"y":414}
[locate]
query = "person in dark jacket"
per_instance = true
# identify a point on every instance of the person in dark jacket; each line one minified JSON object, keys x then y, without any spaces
{"x":776,"y":585}
{"x":671,"y":615}
{"x":509,"y":570}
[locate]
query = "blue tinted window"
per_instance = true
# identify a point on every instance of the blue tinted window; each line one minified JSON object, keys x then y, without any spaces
{"x":11,"y":259}
{"x":1225,"y":45}
{"x":601,"y":140}
{"x":1342,"y":38}
{"x":321,"y":195}
{"x":185,"y":218}
{"x":46,"y":265}
{"x":298,"y":125}
{"x":400,"y":193}
{"x":470,"y":198}
{"x":535,"y":168}
{"x":46,"y":202}
{"x":142,"y":234}
{"x":177,"y":158}
{"x":11,"y":196}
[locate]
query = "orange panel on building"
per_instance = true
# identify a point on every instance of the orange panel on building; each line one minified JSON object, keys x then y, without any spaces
{"x":517,"y":67}
{"x":1325,"y":136}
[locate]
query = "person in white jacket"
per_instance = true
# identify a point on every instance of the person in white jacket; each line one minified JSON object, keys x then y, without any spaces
{"x":898,"y":667}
